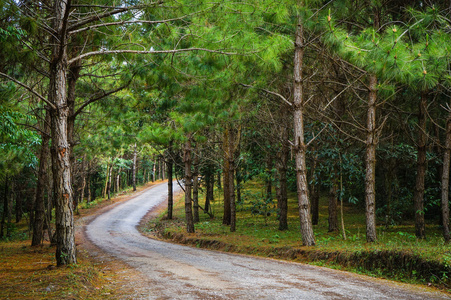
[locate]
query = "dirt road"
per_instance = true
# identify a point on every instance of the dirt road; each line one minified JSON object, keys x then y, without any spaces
{"x":180,"y":272}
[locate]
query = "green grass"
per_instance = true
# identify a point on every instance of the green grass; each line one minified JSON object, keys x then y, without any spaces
{"x":259,"y":235}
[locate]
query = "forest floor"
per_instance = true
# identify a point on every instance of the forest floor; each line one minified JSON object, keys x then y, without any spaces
{"x":397,"y":255}
{"x":30,"y":272}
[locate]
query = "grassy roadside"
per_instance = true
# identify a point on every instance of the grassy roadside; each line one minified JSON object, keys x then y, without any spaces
{"x":397,"y":255}
{"x":30,"y":272}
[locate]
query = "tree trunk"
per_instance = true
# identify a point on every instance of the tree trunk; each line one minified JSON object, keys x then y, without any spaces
{"x":135,"y":154}
{"x":238,"y":184}
{"x":333,"y":207}
{"x":39,"y":205}
{"x":65,"y":238}
{"x":314,"y":193}
{"x":5,"y":208}
{"x":170,"y":188}
{"x":418,"y":196}
{"x":226,"y":177}
{"x":19,"y":201}
{"x":219,"y":180}
{"x":110,"y":173}
{"x":196,"y":189}
{"x":154,"y":171}
{"x":445,"y":180}
{"x":107,"y":174}
{"x":188,"y":180}
{"x":83,"y":179}
{"x":118,"y":180}
{"x":209,"y":182}
{"x":282,"y":167}
{"x":308,"y":239}
{"x":370,"y":175}
{"x":269,"y":177}
{"x":10,"y":199}
{"x":89,"y":182}
{"x":231,"y":180}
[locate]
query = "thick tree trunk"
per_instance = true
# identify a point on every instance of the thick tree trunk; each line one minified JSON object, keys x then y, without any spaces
{"x":65,"y":238}
{"x":226,"y":218}
{"x":418,"y":196}
{"x":232,"y":180}
{"x":308,"y":239}
{"x":39,"y":205}
{"x":188,"y":183}
{"x":445,"y":181}
{"x":333,"y":207}
{"x":370,"y":175}
{"x":135,"y":155}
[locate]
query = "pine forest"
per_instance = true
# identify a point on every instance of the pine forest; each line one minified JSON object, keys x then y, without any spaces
{"x":325,"y":123}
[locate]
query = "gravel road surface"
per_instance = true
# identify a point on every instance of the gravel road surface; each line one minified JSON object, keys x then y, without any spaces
{"x":180,"y":272}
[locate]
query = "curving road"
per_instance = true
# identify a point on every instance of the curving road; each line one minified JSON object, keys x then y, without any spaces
{"x":180,"y":272}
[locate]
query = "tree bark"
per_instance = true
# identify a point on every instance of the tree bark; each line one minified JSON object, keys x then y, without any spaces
{"x":39,"y":205}
{"x":135,"y":154}
{"x":282,"y":167}
{"x":196,"y":189}
{"x":231,"y":180}
{"x":209,"y":182}
{"x":19,"y":201}
{"x":188,"y":180}
{"x":226,"y":218}
{"x":314,"y":193}
{"x":418,"y":196}
{"x":65,"y":237}
{"x":170,"y":178}
{"x":333,"y":207}
{"x":370,"y":174}
{"x":445,"y":181}
{"x":308,"y":239}
{"x":110,"y":173}
{"x":269,"y":177}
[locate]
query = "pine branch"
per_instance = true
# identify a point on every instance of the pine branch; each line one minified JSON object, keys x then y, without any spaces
{"x":80,"y":109}
{"x":131,"y":22}
{"x":29,"y":89}
{"x":103,"y":52}
{"x":104,"y":15}
{"x":269,"y":92}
